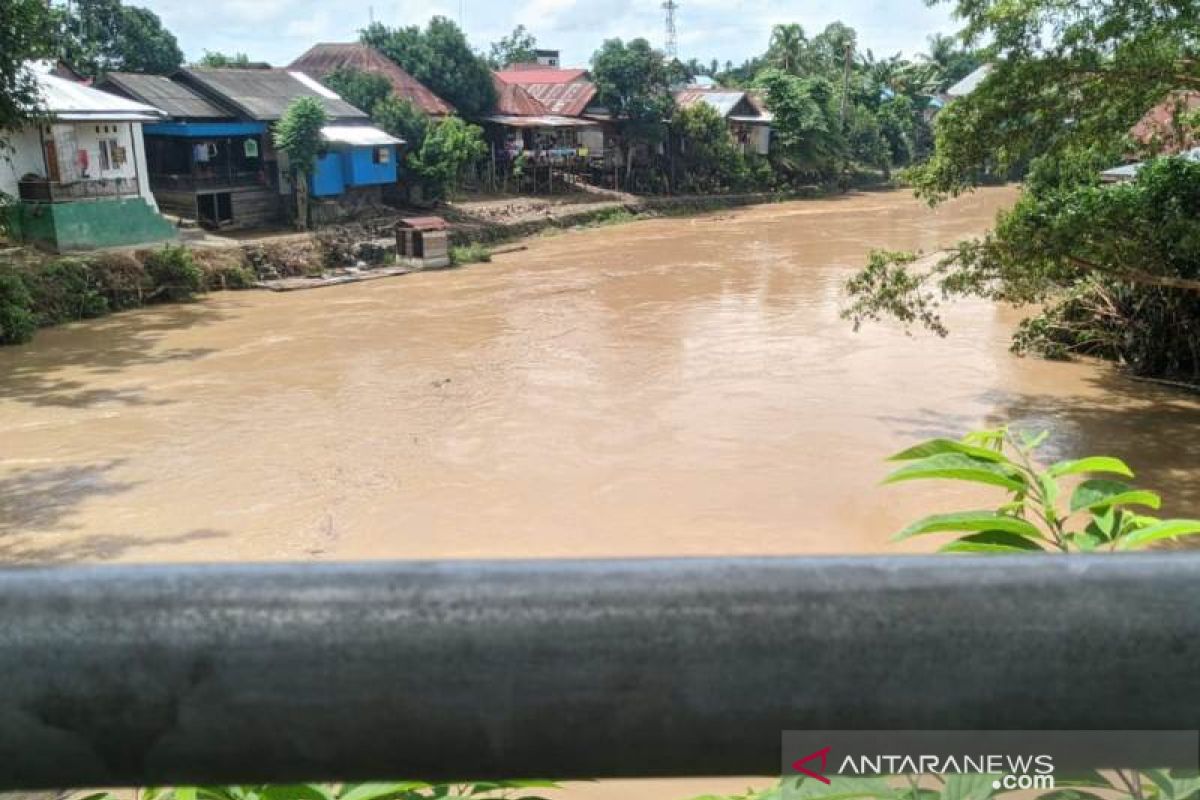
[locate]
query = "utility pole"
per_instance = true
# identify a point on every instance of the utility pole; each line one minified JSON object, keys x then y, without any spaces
{"x":670,"y":48}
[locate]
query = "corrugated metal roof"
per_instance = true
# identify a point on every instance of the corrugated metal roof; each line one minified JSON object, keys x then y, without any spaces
{"x":1130,"y":171}
{"x":524,"y":74}
{"x":161,"y":92}
{"x":970,"y":83}
{"x":324,"y":58}
{"x":264,"y":94}
{"x":549,"y":121}
{"x":723,"y":101}
{"x":73,"y":102}
{"x":358,"y":136}
{"x":563,"y":99}
{"x":513,"y":100}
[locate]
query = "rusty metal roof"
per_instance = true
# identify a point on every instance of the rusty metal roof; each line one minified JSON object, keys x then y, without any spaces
{"x":1160,"y":125}
{"x":424,"y":223}
{"x":564,"y":99}
{"x":513,"y":100}
{"x":537,"y":73}
{"x":324,"y":58}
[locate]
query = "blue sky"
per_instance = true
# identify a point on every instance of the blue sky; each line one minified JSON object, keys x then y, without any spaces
{"x":279,"y":30}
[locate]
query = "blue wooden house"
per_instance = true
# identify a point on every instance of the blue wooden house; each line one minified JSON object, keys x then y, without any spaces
{"x":213,"y":159}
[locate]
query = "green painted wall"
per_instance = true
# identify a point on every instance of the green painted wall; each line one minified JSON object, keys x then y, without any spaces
{"x":89,"y":224}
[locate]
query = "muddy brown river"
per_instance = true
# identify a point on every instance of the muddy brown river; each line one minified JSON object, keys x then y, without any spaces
{"x":667,"y":387}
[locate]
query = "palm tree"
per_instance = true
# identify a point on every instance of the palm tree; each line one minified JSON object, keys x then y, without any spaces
{"x":787,"y":48}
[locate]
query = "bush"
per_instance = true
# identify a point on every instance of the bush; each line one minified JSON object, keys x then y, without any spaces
{"x":120,"y":279}
{"x":469,"y":254}
{"x":173,"y":274}
{"x":63,"y":291}
{"x":224,"y":269}
{"x":17,"y":320}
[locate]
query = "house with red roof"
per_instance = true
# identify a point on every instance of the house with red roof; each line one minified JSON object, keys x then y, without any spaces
{"x":323,"y":59}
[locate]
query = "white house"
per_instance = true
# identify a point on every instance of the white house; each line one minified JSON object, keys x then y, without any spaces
{"x":80,"y":172}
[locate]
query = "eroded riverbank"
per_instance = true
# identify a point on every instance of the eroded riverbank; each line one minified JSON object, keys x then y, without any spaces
{"x":667,"y":387}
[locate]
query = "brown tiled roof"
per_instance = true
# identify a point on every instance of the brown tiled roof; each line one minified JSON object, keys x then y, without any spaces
{"x":513,"y":100}
{"x":1159,"y":127}
{"x":537,"y":73}
{"x":323,"y":59}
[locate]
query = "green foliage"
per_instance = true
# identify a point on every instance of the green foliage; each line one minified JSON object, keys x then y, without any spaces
{"x":298,"y":134}
{"x":24,"y":36}
{"x":17,"y":318}
{"x":1040,"y":512}
{"x":1119,"y":266}
{"x":707,"y":158}
{"x":806,"y":130}
{"x":402,"y":790}
{"x":450,"y":146}
{"x":216,"y":60}
{"x":439,"y":57}
{"x":473,"y":253}
{"x":100,"y":36}
{"x":631,"y":82}
{"x":173,"y":274}
{"x":64,"y":290}
{"x":519,"y":47}
{"x":402,"y":119}
{"x":363,"y":90}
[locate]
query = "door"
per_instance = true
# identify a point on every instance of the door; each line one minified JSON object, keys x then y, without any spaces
{"x":52,"y":171}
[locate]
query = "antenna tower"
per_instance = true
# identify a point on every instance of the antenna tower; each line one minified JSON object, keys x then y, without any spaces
{"x":671,"y":48}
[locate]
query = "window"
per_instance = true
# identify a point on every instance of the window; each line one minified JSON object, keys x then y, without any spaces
{"x":112,"y":155}
{"x":382,"y":155}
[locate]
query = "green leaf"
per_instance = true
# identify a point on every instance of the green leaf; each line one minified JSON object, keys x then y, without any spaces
{"x":991,"y":542}
{"x":379,"y":791}
{"x":1167,"y":529}
{"x":1101,"y":493}
{"x":968,"y":787}
{"x":185,"y":793}
{"x":1079,"y":466}
{"x":935,"y":447}
{"x":969,"y":521}
{"x":840,"y":788}
{"x":959,"y":467}
{"x":296,"y":791}
{"x":1070,"y":794}
{"x":1177,"y":784}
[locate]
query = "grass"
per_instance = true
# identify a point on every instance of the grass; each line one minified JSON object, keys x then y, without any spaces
{"x":473,"y":253}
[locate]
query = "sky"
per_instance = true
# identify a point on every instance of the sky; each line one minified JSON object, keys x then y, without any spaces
{"x":278,"y":31}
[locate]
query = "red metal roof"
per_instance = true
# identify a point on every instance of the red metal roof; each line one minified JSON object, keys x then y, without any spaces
{"x":536,"y":73}
{"x":565,"y":99}
{"x":512,"y":100}
{"x":323,"y":59}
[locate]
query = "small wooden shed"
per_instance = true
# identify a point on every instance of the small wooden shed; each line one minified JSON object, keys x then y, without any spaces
{"x":423,"y":241}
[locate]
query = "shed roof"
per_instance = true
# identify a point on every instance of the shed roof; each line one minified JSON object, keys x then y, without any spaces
{"x":543,"y":121}
{"x":73,"y":102}
{"x":1128,"y":172}
{"x":324,"y":58}
{"x":265,"y":94}
{"x":171,"y":96}
{"x":358,"y":136}
{"x":725,"y":102}
{"x":424,"y":223}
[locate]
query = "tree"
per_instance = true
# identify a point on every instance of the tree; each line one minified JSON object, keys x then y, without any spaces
{"x":1114,"y":268}
{"x":439,"y":57}
{"x":298,"y":135}
{"x":24,"y":36}
{"x":363,"y":90}
{"x":519,"y":47}
{"x":950,"y":61}
{"x":216,"y":60}
{"x":788,"y":48}
{"x":105,"y":36}
{"x":707,"y":155}
{"x":448,"y":148}
{"x":632,"y":83}
{"x":807,"y":135}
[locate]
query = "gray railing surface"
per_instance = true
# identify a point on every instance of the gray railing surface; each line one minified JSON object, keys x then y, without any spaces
{"x":282,"y":673}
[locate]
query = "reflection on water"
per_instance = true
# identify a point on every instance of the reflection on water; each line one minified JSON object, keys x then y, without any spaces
{"x":667,"y":387}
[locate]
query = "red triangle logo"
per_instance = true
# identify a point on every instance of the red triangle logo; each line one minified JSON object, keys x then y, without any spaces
{"x":822,"y":754}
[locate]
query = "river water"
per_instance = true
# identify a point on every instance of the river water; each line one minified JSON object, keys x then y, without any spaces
{"x":667,"y":387}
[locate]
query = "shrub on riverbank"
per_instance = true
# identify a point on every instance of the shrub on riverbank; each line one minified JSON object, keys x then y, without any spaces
{"x":34,"y":295}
